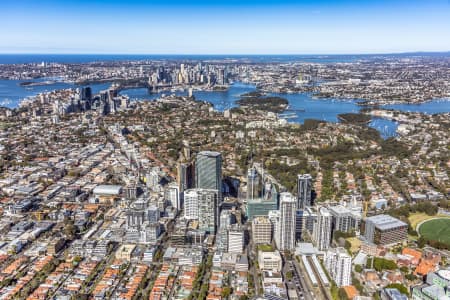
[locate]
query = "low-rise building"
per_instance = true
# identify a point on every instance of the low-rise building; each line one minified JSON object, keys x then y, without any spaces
{"x":270,"y":261}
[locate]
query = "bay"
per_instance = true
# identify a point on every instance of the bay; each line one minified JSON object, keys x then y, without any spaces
{"x":302,"y":106}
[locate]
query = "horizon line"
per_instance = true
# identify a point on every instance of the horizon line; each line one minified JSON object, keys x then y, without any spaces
{"x":223,"y":54}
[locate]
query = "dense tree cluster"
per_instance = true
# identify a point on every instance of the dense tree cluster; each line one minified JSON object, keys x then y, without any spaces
{"x":380,"y":264}
{"x":353,"y":118}
{"x":273,"y":104}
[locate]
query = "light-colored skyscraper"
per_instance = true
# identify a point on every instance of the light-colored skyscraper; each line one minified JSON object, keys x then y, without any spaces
{"x":262,"y":230}
{"x":222,"y":231}
{"x":191,"y":204}
{"x":202,"y":205}
{"x":342,"y":218}
{"x":287,"y":222}
{"x":322,"y":229}
{"x":339,"y":265}
{"x":275,"y":219}
{"x":172,"y":195}
{"x":253,"y":185}
{"x":235,"y":239}
{"x":304,"y":184}
{"x":208,"y":171}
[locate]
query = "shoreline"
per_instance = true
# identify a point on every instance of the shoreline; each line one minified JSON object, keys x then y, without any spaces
{"x":366,"y":103}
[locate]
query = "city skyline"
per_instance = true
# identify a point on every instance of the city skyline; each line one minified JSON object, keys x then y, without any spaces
{"x":225,"y":150}
{"x":231,"y":27}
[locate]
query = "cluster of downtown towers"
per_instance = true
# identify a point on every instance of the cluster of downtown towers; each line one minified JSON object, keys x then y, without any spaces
{"x":285,"y":212}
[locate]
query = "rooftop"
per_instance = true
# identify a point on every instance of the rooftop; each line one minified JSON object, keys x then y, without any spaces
{"x":107,"y":189}
{"x":339,"y":209}
{"x":445,"y":274}
{"x":385,"y":222}
{"x":261,"y":220}
{"x":209,"y":153}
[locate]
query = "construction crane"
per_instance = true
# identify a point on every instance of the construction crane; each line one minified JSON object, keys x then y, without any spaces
{"x":39,"y":215}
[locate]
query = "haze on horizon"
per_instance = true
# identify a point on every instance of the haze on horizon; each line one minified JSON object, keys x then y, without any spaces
{"x":224,"y":27}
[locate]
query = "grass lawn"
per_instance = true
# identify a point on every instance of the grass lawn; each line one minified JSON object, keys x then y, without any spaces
{"x":265,"y":248}
{"x":438,"y":229}
{"x":416,"y":218}
{"x":356,"y":244}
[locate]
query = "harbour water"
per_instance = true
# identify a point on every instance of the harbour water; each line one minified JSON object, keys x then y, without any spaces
{"x":302,"y":105}
{"x":11,"y":92}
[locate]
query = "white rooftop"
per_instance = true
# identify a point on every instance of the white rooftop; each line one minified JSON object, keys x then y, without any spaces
{"x":107,"y":189}
{"x":385,"y":222}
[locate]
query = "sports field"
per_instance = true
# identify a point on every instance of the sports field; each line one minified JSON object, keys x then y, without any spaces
{"x":419,"y":217}
{"x":437,"y":229}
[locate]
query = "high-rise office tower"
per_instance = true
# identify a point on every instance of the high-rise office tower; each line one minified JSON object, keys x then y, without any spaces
{"x":304,"y":184}
{"x":202,"y":205}
{"x":86,"y":93}
{"x":183,"y":176}
{"x":341,"y":218}
{"x":287,"y":222}
{"x":222,"y":231}
{"x":339,"y":265}
{"x":322,"y":229}
{"x":310,"y":218}
{"x":262,"y":230}
{"x":235,"y":239}
{"x":208,"y":171}
{"x":261,"y":206}
{"x":275,"y":219}
{"x":191,"y":204}
{"x":208,"y":210}
{"x":172,"y":195}
{"x":253,"y":185}
{"x":300,"y":223}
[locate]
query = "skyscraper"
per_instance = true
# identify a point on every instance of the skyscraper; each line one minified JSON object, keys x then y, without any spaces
{"x":339,"y":265}
{"x":262,"y":230}
{"x":261,"y":206}
{"x":86,"y":93}
{"x":322,"y":229}
{"x":191,"y":204}
{"x":172,"y":195}
{"x":287,"y":222}
{"x":300,"y":223}
{"x":183,"y":176}
{"x":208,"y":210}
{"x":344,"y":219}
{"x":208,"y":171}
{"x":253,"y":185}
{"x":222,"y":231}
{"x":304,"y":183}
{"x":235,"y":239}
{"x":275,"y":219}
{"x":202,"y":205}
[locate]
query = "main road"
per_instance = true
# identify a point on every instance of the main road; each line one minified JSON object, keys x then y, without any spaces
{"x":298,"y":280}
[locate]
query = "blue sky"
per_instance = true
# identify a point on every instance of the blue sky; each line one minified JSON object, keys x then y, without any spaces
{"x":224,"y":27}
